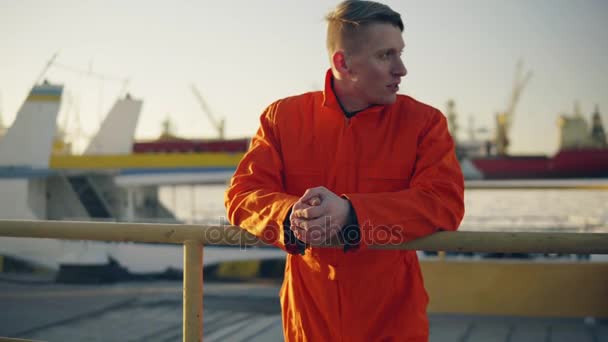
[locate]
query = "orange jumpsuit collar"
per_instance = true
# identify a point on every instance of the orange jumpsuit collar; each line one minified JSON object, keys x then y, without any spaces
{"x":329,"y":96}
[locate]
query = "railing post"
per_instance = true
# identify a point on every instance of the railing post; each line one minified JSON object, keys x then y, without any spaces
{"x":193,"y":292}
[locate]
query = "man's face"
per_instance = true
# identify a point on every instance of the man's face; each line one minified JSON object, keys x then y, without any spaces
{"x":376,"y":68}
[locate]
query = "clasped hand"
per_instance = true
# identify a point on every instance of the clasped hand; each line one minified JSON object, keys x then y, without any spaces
{"x":318,"y":216}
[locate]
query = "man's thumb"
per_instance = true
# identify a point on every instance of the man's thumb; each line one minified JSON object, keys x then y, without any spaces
{"x":314,"y":201}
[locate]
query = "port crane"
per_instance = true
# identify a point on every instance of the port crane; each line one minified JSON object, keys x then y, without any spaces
{"x":504,"y":119}
{"x":219,"y":125}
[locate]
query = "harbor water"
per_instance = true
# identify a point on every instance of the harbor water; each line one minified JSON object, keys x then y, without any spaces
{"x":512,"y":209}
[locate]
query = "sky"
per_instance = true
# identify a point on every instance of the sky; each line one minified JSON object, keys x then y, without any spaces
{"x":243,"y":55}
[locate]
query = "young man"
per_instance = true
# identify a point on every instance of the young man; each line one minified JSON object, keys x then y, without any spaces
{"x":359,"y":164}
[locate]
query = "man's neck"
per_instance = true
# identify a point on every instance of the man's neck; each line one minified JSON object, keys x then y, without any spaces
{"x":350,"y":104}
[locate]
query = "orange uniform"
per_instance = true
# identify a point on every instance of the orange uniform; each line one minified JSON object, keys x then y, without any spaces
{"x":396,"y":165}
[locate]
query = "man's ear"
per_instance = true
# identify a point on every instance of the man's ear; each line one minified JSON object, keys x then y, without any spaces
{"x":340,"y":62}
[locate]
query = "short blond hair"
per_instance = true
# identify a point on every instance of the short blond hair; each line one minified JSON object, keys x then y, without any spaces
{"x":350,"y":16}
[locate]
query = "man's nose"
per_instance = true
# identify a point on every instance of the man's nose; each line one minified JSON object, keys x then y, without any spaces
{"x":400,"y":69}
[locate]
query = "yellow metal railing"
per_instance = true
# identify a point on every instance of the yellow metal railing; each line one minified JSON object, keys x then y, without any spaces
{"x":534,"y":184}
{"x":193,"y":237}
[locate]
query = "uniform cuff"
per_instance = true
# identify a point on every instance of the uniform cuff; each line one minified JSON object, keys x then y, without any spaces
{"x":351,"y":233}
{"x":292,"y":244}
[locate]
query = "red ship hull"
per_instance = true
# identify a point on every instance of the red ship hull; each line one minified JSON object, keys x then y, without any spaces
{"x":579,"y":163}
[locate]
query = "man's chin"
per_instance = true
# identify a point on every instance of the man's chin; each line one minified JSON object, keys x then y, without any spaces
{"x":388,"y":100}
{"x":385,"y":100}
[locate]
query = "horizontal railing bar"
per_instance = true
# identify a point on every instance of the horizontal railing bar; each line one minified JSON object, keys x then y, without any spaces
{"x":509,"y":242}
{"x":534,"y":185}
{"x":464,"y":241}
{"x":124,"y":232}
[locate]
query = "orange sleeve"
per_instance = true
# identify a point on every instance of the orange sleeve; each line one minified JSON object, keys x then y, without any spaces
{"x":434,"y":201}
{"x":256,"y":198}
